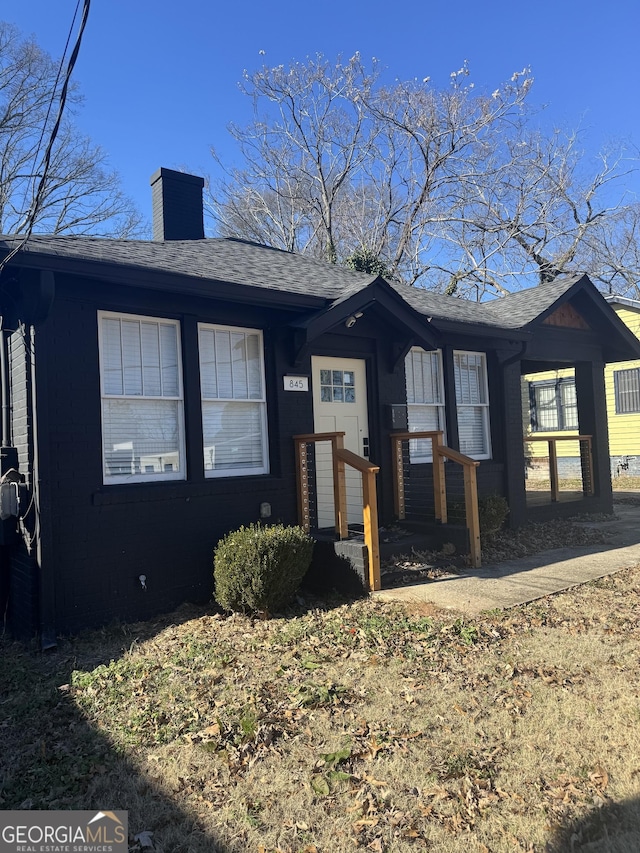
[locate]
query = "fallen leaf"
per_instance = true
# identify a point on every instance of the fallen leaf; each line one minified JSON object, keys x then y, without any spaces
{"x":320,"y":785}
{"x":599,"y":777}
{"x":145,"y":839}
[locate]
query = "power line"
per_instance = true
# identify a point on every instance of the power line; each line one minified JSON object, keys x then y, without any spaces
{"x":45,"y":124}
{"x":46,"y":160}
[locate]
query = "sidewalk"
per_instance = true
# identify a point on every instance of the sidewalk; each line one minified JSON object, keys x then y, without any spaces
{"x":518,"y":581}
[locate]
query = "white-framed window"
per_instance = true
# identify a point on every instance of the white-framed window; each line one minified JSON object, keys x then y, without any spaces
{"x":472,"y":402}
{"x":553,"y":405}
{"x":234,"y":407}
{"x":142,"y":398}
{"x":425,"y":399}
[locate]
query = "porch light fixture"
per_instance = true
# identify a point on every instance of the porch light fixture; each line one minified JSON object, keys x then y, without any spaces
{"x":351,"y":321}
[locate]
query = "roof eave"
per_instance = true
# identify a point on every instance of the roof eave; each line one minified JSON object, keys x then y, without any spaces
{"x":480,"y":330}
{"x":153,"y":279}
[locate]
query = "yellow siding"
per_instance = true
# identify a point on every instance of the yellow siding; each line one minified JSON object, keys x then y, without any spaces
{"x":624,"y":430}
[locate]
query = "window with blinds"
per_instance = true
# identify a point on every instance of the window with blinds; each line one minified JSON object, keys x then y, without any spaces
{"x":234,"y":417}
{"x":425,"y":399}
{"x":472,"y":403}
{"x":142,"y":403}
{"x":627,"y":390}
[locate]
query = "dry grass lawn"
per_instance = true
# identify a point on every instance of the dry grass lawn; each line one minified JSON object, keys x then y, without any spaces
{"x":619,"y":484}
{"x":342,"y":726}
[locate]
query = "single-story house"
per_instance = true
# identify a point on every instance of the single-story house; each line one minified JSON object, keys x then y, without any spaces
{"x":151,"y":391}
{"x":549,"y":400}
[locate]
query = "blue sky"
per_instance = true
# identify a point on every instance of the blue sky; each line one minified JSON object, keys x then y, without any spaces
{"x":160,"y":78}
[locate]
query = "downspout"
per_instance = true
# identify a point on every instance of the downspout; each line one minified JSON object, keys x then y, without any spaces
{"x":4,"y":377}
{"x":48,"y":639}
{"x":5,"y":559}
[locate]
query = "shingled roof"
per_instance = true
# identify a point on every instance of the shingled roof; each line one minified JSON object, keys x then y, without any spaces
{"x":245,"y":264}
{"x":218,"y":259}
{"x":519,"y":310}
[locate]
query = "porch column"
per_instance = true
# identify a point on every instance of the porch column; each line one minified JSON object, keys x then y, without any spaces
{"x":592,"y":420}
{"x":513,"y":449}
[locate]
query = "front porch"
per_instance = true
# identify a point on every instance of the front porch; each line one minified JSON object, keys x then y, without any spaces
{"x":546,"y":483}
{"x":448,"y":513}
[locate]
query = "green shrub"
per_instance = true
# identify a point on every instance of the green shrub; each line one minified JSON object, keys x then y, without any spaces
{"x":492,"y":511}
{"x":259,"y":569}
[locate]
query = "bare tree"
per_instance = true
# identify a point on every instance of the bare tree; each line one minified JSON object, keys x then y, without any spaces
{"x":80,"y":195}
{"x":451,"y":189}
{"x":301,"y":161}
{"x":546,"y":210}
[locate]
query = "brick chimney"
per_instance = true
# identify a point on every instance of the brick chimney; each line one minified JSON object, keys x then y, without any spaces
{"x":177,"y":206}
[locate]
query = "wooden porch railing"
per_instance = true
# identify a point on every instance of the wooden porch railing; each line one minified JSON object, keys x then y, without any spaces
{"x":439,"y":453}
{"x":340,"y":458}
{"x":586,"y":461}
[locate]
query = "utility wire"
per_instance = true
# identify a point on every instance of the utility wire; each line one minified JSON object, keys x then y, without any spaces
{"x":37,"y":200}
{"x":54,"y":91}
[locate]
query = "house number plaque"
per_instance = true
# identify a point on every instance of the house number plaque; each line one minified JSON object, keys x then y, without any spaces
{"x":296,"y":383}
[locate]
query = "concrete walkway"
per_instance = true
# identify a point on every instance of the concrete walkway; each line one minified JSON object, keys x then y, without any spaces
{"x":518,"y":581}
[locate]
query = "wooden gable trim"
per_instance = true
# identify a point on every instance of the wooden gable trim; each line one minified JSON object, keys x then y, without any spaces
{"x":567,"y":317}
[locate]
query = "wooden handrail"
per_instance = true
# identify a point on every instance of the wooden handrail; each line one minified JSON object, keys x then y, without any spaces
{"x":357,"y":462}
{"x":369,"y":510}
{"x":456,"y":456}
{"x":439,"y":452}
{"x":318,"y":436}
{"x":340,"y":457}
{"x":405,"y":436}
{"x":557,"y":438}
{"x":586,"y":461}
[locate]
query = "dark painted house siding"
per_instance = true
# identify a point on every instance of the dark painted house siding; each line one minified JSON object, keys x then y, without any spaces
{"x":101,"y":538}
{"x":104,"y":537}
{"x":86,"y":544}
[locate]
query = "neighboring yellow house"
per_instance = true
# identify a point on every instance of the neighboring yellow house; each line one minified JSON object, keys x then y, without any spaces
{"x":549,"y":408}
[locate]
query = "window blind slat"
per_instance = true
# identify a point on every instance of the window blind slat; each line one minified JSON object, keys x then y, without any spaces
{"x":234,"y":429}
{"x":150,"y":347}
{"x":470,"y":378}
{"x":111,"y":356}
{"x":223,"y":364}
{"x":131,"y":357}
{"x":140,"y":436}
{"x":425,"y":409}
{"x":233,"y":435}
{"x":208,"y":379}
{"x":142,"y":433}
{"x":169,"y":360}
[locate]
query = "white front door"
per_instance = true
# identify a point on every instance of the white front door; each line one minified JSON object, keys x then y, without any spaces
{"x":339,"y":405}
